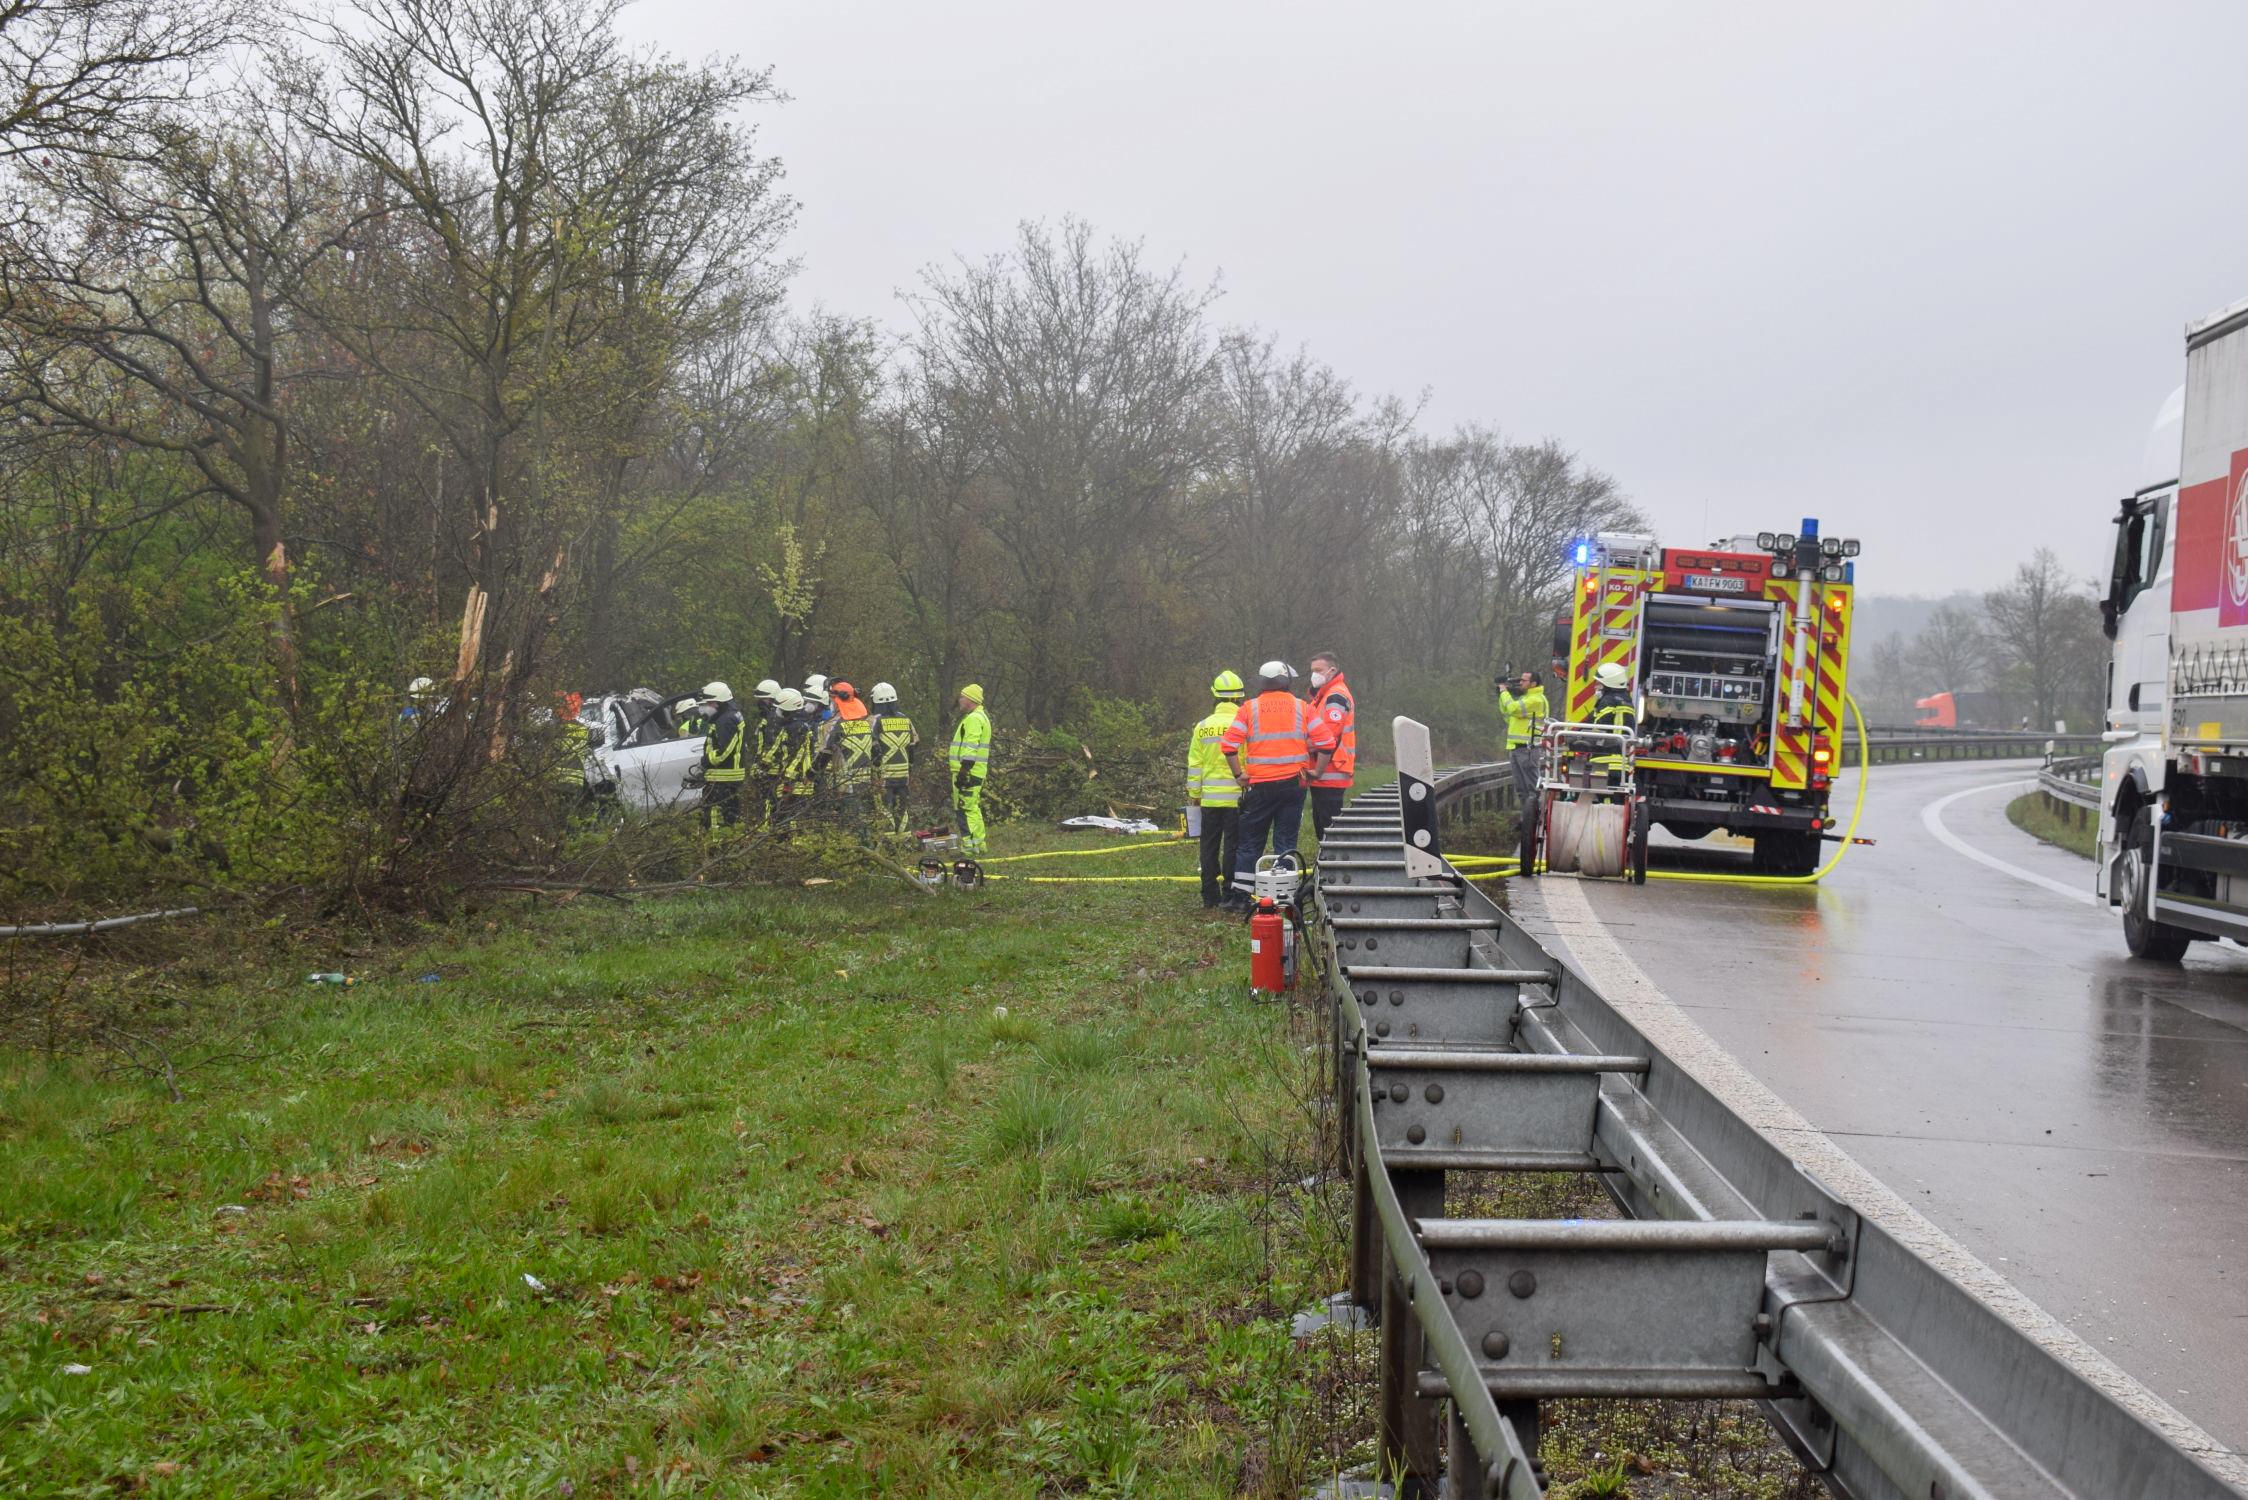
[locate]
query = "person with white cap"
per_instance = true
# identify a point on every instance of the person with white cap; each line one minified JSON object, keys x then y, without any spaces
{"x":762,"y":696}
{"x":970,"y":762}
{"x":419,"y":694}
{"x":722,"y":764}
{"x":1613,"y":706}
{"x":1274,"y":746}
{"x":894,"y":742}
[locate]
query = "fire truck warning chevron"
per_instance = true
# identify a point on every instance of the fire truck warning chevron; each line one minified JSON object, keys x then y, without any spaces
{"x":1738,"y":657}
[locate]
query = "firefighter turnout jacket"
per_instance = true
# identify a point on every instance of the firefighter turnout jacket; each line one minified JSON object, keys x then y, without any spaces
{"x":894,"y":739}
{"x":722,"y":747}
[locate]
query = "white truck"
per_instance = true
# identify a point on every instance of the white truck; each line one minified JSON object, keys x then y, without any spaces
{"x":2173,"y":833}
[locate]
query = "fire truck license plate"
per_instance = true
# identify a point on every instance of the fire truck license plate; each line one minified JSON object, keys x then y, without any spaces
{"x":1716,"y":583}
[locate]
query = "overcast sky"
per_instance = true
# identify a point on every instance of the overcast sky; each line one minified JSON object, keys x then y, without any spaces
{"x":1919,"y":270}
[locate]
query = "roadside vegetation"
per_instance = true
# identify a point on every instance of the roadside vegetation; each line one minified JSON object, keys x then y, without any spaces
{"x":2033,"y":815}
{"x":807,"y":1191}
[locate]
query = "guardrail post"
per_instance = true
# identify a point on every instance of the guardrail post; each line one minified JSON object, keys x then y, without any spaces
{"x":1407,"y":1437}
{"x":1365,"y":1240}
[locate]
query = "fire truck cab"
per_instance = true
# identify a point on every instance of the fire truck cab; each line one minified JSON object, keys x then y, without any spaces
{"x":1738,"y":654}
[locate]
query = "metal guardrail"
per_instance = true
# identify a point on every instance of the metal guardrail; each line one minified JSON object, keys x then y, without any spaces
{"x":1890,"y":744}
{"x":1461,"y":1044}
{"x":2071,"y":788}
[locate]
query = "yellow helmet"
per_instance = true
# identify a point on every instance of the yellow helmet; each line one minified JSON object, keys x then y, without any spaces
{"x":1226,"y":684}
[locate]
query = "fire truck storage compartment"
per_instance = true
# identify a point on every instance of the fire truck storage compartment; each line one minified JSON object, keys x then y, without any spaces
{"x":1707,"y":661}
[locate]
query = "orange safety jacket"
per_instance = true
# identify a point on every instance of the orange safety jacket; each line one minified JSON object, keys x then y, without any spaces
{"x":1332,"y":705}
{"x":1274,"y":734}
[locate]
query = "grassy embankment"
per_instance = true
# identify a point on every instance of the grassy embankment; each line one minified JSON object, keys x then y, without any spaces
{"x":2033,"y":816}
{"x":750,"y":1192}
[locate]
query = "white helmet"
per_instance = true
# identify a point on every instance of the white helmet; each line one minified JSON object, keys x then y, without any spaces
{"x":881,"y":693}
{"x":420,"y":687}
{"x":718,"y":692}
{"x":766,"y":689}
{"x":815,"y":682}
{"x":788,"y":700}
{"x":816,"y":691}
{"x":1611,"y":674}
{"x":1278,"y":671}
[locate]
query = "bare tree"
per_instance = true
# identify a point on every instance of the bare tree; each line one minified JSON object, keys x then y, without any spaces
{"x":1524,"y":505}
{"x":164,"y":273}
{"x":74,"y":73}
{"x":1952,"y":652}
{"x":2044,"y":630}
{"x":1081,"y":372}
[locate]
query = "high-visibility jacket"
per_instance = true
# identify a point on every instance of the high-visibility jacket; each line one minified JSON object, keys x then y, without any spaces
{"x":1523,"y":714}
{"x":854,"y":752}
{"x":722,"y":748}
{"x":894,"y":739}
{"x":1209,"y":780}
{"x":570,"y":770}
{"x":692,"y":725}
{"x":1616,"y":708}
{"x":1275,"y":734}
{"x":789,"y":753}
{"x":971,"y":746}
{"x":1333,"y":704}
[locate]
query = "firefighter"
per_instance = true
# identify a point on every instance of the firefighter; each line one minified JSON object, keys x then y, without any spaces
{"x":688,"y":719}
{"x":1212,"y":786}
{"x":849,"y":749}
{"x":894,"y":742}
{"x":1613,"y":705}
{"x":1331,"y":700}
{"x":1271,"y":747}
{"x":1525,"y":709}
{"x":787,"y":764}
{"x":761,"y":697}
{"x":722,"y":763}
{"x":969,"y":761}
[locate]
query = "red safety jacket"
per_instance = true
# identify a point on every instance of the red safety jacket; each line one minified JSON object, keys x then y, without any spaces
{"x":1332,"y":706}
{"x":1275,"y":734}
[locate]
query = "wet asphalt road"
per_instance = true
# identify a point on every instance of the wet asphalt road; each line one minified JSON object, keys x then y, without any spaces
{"x":1984,"y":1045}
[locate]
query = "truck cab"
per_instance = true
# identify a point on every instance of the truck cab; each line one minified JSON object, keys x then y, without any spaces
{"x":2135,"y":615}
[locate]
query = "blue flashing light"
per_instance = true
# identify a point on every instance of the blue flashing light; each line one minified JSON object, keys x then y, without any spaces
{"x":1849,"y":572}
{"x":1583,"y":554}
{"x":1810,"y":526}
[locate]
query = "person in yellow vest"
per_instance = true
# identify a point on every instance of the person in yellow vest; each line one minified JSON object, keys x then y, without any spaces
{"x":1525,"y":709}
{"x":1211,"y":786}
{"x":850,"y":744}
{"x":970,"y":763}
{"x":1615,"y":708}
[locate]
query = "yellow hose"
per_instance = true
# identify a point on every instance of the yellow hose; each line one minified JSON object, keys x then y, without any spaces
{"x":1148,"y":843}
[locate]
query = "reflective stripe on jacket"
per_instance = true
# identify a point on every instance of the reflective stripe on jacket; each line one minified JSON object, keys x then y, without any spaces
{"x":894,"y":741}
{"x":1333,"y":704}
{"x":971,"y":745}
{"x":722,"y":749}
{"x":1208,"y":778}
{"x":1274,"y":734}
{"x":854,"y":740}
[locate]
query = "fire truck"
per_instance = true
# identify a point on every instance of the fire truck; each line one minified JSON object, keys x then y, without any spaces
{"x":1737,"y":655}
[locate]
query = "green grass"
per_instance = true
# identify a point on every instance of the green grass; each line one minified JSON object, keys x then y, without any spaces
{"x":806,"y":1213}
{"x":2034,"y":816}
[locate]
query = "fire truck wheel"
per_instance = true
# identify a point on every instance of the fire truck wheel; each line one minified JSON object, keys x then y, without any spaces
{"x":2157,"y":942}
{"x":1639,"y":843}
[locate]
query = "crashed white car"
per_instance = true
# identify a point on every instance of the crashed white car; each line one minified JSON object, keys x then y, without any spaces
{"x":635,"y":753}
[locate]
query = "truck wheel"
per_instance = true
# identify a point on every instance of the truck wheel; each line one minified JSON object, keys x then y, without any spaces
{"x":1639,"y":842}
{"x":2157,"y":942}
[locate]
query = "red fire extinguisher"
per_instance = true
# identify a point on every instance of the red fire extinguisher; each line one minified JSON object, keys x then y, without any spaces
{"x":1267,"y":939}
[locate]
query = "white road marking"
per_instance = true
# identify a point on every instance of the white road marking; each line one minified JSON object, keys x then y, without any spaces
{"x":1932,"y":818}
{"x":1638,"y":1000}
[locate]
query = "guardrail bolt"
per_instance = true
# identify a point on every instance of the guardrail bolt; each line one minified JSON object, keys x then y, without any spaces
{"x":1416,"y":1135}
{"x":1522,"y":1283}
{"x":1471,"y":1284}
{"x":1381,"y":1028}
{"x":1397,"y":997}
{"x":1495,"y":1345}
{"x":1434,"y":1093}
{"x":1372,"y":944}
{"x":1399,"y":1093}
